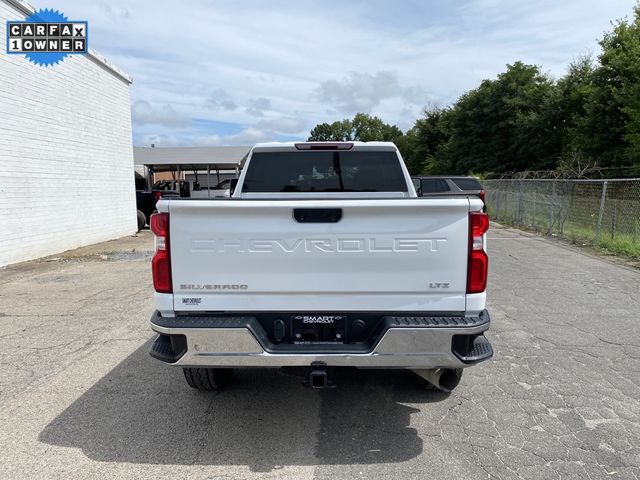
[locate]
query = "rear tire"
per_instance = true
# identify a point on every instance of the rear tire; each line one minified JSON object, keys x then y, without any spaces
{"x":142,"y":220}
{"x":208,"y":379}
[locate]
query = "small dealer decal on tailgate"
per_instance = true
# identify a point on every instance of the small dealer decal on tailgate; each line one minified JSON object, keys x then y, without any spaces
{"x":191,"y":301}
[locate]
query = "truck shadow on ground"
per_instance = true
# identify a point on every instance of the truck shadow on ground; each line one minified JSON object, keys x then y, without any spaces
{"x":143,"y":412}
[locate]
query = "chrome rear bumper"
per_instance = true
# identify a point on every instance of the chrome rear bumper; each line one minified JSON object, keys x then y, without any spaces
{"x":234,"y":342}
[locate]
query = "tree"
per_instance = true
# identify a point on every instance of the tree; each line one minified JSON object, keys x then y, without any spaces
{"x":503,"y":125}
{"x":425,"y":138}
{"x":574,"y":91}
{"x":363,"y":127}
{"x":370,"y":129}
{"x":337,"y":132}
{"x":601,"y":103}
{"x":614,"y":110}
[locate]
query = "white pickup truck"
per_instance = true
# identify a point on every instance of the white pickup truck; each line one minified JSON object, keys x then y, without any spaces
{"x":323,"y":257}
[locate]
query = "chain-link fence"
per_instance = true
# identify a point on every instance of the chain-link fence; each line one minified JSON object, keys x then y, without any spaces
{"x":605,"y":213}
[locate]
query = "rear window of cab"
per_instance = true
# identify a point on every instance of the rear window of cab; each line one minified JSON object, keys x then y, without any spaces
{"x":325,"y":171}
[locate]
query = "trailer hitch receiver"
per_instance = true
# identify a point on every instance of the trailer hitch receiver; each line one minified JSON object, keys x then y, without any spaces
{"x":319,"y":376}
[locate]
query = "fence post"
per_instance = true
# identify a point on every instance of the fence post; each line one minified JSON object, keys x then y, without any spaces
{"x":551,"y":207}
{"x":601,"y":212}
{"x":614,"y":220}
{"x":519,"y":213}
{"x":534,"y":220}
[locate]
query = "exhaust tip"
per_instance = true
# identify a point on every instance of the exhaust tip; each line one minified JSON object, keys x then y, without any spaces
{"x":444,"y":379}
{"x":449,"y":379}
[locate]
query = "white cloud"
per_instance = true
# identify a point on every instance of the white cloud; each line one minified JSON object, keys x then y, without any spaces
{"x":248,"y":136}
{"x":361,"y":92}
{"x":283,"y":125}
{"x":116,"y":13}
{"x":257,"y":106}
{"x":160,"y":140}
{"x":220,"y":99}
{"x":143,"y":113}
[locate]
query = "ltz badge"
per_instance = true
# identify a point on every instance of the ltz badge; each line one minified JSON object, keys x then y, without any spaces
{"x":47,"y":37}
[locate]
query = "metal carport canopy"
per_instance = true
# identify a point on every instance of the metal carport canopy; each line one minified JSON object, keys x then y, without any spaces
{"x":166,"y":159}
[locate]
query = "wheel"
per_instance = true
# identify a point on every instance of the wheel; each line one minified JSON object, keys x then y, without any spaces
{"x":208,"y":379}
{"x":142,"y":220}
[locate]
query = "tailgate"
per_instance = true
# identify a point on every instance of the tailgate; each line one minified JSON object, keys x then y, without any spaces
{"x":382,"y":255}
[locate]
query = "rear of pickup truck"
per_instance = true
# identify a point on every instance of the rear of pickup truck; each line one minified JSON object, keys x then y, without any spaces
{"x":323,"y":258}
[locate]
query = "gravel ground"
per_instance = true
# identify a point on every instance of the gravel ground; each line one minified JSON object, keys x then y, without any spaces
{"x":81,"y":398}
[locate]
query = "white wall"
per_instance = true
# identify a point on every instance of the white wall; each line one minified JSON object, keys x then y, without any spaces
{"x":66,"y":158}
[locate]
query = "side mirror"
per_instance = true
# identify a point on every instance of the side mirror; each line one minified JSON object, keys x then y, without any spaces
{"x":232,"y":185}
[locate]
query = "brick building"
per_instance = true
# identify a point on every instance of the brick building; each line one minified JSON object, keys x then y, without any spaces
{"x":66,"y":157}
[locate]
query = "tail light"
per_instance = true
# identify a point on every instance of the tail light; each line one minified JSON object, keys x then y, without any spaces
{"x":481,"y":195}
{"x":157,"y":195}
{"x":161,"y":262}
{"x":478,"y":260}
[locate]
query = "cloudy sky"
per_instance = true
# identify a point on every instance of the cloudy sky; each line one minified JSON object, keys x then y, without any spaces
{"x":238,"y":72}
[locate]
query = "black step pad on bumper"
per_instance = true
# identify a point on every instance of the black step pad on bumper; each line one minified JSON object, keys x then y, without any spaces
{"x":197,"y":321}
{"x":476,"y":350}
{"x":438,"y":322}
{"x":169,"y":348}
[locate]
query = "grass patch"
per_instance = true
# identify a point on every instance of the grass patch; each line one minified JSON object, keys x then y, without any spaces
{"x":624,"y":244}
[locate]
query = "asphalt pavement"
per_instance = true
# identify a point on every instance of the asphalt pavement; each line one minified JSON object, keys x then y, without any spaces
{"x":81,"y":398}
